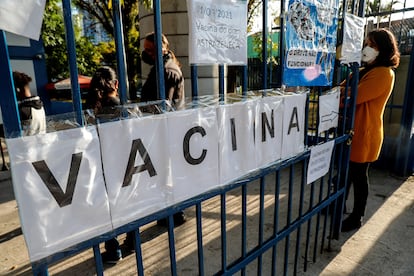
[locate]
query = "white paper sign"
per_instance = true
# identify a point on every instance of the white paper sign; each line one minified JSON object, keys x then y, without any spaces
{"x":59,"y":186}
{"x":136,"y":164}
{"x":320,"y":160}
{"x":269,"y":127}
{"x":293,"y":125}
{"x":329,"y":110}
{"x":236,"y":144}
{"x":22,"y":17}
{"x":218,"y":31}
{"x":192,"y":139}
{"x":353,"y":39}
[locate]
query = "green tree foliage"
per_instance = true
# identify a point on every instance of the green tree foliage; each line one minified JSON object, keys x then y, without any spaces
{"x":253,"y":9}
{"x":101,"y":11}
{"x":53,"y":35}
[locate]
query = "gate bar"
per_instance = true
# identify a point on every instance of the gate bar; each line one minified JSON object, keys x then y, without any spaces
{"x":73,"y":66}
{"x":10,"y":113}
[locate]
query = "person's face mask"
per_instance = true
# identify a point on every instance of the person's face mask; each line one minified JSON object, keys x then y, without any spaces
{"x":147,"y":58}
{"x":369,"y":54}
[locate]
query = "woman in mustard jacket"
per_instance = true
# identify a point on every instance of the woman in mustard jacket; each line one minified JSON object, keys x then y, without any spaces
{"x":380,"y":56}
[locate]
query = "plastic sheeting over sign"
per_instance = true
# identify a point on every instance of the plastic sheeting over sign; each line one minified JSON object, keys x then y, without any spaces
{"x":22,"y":17}
{"x":60,"y":189}
{"x":128,"y":148}
{"x":194,"y":154}
{"x":218,"y":31}
{"x":353,"y":39}
{"x":237,"y":147}
{"x":311,"y":28}
{"x":149,"y":163}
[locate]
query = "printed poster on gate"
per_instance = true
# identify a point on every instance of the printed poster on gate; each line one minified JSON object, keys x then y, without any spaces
{"x":217,"y":31}
{"x":60,"y":189}
{"x":311,"y":27}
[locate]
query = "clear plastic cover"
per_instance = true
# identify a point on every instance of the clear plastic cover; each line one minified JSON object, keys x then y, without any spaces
{"x":269,"y":130}
{"x":236,"y":144}
{"x":60,"y":190}
{"x":193,"y":148}
{"x":353,"y":39}
{"x":72,"y":184}
{"x":136,"y":165}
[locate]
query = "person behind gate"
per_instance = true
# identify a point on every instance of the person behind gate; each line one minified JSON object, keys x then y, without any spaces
{"x":31,"y":111}
{"x":174,"y":93}
{"x":102,"y":100}
{"x":174,"y":80}
{"x":380,"y":56}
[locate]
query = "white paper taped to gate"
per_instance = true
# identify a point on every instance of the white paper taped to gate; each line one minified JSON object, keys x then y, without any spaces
{"x":217,"y":31}
{"x":353,"y":39}
{"x":293,"y":125}
{"x":320,"y":161}
{"x":149,"y":164}
{"x":137,"y":166}
{"x":193,"y":136}
{"x":329,"y":110}
{"x":269,"y":127}
{"x":22,"y":17}
{"x":236,"y":144}
{"x":60,"y":190}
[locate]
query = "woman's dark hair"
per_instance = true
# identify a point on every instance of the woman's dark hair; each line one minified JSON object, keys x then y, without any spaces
{"x":20,"y":81}
{"x":389,"y":54}
{"x":103,"y":82}
{"x":165,"y":43}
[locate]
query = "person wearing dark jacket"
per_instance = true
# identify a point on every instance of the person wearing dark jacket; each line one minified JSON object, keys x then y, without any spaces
{"x":174,"y":93}
{"x":102,"y":99}
{"x":31,"y":111}
{"x":173,"y":77}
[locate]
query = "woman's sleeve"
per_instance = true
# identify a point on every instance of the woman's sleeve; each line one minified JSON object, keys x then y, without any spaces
{"x":374,"y":84}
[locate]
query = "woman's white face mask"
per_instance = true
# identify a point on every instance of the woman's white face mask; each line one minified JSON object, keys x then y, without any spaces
{"x":369,"y":54}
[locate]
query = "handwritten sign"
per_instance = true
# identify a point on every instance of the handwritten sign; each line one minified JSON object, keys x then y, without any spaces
{"x":293,"y":124}
{"x":237,"y":147}
{"x":320,"y":160}
{"x":301,"y":58}
{"x":218,"y":31}
{"x":329,"y":110}
{"x":310,"y":39}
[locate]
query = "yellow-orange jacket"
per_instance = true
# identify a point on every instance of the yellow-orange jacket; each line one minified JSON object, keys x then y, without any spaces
{"x":374,"y":89}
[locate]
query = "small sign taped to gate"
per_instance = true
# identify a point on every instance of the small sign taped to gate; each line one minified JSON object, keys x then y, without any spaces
{"x":217,"y":31}
{"x":320,"y":160}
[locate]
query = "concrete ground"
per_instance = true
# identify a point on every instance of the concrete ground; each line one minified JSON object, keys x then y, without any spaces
{"x":383,"y":246}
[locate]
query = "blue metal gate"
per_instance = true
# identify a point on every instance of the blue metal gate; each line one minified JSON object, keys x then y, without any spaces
{"x":289,"y":230}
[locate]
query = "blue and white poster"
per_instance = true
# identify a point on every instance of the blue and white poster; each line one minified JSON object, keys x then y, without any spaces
{"x":311,"y":27}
